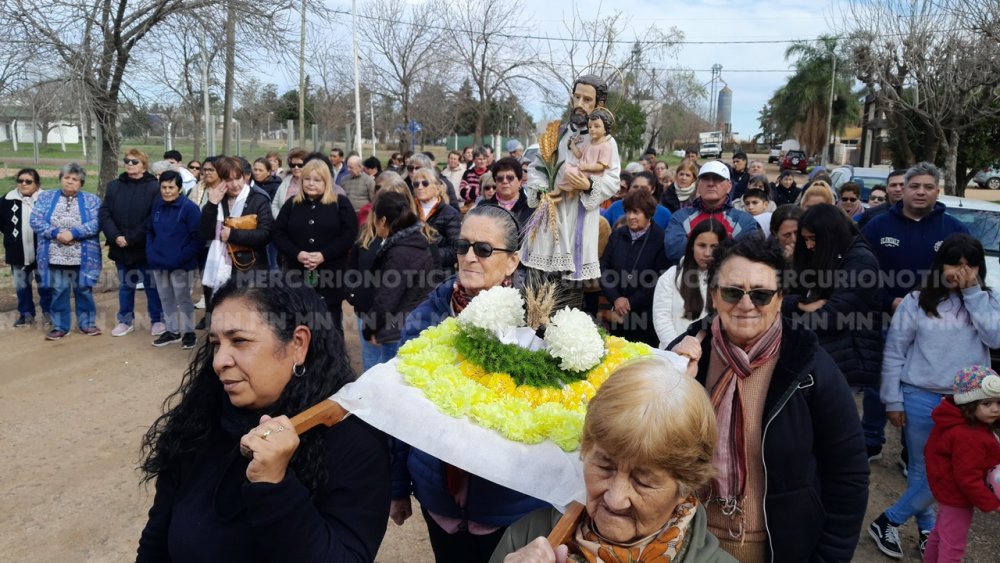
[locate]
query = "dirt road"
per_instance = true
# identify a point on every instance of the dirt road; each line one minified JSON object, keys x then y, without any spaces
{"x":72,"y":415}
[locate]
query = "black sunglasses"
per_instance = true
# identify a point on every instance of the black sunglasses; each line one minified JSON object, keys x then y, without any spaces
{"x":421,"y":184}
{"x":759,"y":297}
{"x":876,"y":198}
{"x":411,"y":168}
{"x":505,"y":178}
{"x":25,"y":181}
{"x":481,"y":249}
{"x":295,"y":165}
{"x":849,"y":199}
{"x":131,"y":161}
{"x":194,"y":167}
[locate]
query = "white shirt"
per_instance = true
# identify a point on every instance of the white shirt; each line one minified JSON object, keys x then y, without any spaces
{"x":668,"y":306}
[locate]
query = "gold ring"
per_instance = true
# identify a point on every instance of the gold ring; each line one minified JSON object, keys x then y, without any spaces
{"x":265,"y":434}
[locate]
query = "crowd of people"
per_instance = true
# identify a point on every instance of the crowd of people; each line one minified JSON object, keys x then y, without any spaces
{"x":784,"y":298}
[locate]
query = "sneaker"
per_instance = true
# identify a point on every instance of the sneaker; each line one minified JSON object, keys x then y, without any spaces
{"x":924,"y":536}
{"x":201,"y":324}
{"x":157,"y":329}
{"x":24,"y":321}
{"x":189,"y":340}
{"x":55,"y":334}
{"x":874,"y":453}
{"x":201,"y":303}
{"x":886,"y":536}
{"x":91,"y":331}
{"x":121,"y":329}
{"x":167,"y":338}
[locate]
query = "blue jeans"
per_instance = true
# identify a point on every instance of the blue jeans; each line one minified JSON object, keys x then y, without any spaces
{"x":389,"y":350}
{"x":917,"y":501}
{"x":872,"y":416}
{"x":23,"y":277}
{"x":64,"y":281}
{"x":370,"y":353}
{"x":128,"y":278}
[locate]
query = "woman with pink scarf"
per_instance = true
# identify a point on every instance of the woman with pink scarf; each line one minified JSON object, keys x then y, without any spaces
{"x":791,"y":478}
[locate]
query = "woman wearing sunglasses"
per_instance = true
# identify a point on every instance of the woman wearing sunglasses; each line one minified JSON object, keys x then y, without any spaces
{"x":791,"y":473}
{"x":292,"y":182}
{"x":465,"y":515}
{"x":850,"y":200}
{"x":124,"y":216}
{"x":434,"y":208}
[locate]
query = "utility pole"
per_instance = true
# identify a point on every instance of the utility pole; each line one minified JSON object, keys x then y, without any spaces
{"x":357,"y":79}
{"x":209,"y":131}
{"x":302,"y":77}
{"x":227,"y":111}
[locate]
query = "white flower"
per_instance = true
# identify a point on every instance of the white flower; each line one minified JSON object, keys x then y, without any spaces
{"x":572,"y":337}
{"x":497,"y":310}
{"x":991,"y":386}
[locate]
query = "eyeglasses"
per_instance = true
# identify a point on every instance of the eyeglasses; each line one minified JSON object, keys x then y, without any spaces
{"x":295,"y":165}
{"x":481,"y":249}
{"x":131,"y":161}
{"x":505,"y":178}
{"x":25,"y":181}
{"x":876,"y":198}
{"x":411,"y":168}
{"x":207,"y":169}
{"x":759,"y":297}
{"x":849,"y":199}
{"x":194,"y":167}
{"x":421,"y":184}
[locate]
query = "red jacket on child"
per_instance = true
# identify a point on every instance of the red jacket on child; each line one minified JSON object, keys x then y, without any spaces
{"x":958,"y":455}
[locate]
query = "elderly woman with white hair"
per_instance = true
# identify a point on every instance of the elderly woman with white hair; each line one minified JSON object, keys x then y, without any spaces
{"x":647,"y":448}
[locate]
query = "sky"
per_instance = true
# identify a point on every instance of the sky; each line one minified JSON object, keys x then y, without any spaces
{"x":752,"y":70}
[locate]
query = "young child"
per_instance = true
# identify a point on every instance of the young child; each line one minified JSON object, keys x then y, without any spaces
{"x":962,"y":448}
{"x":755,"y":202}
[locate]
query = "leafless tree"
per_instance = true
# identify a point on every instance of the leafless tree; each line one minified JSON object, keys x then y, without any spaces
{"x":496,"y":63}
{"x":96,"y":42}
{"x":402,"y":49}
{"x":50,"y":103}
{"x":931,"y":60}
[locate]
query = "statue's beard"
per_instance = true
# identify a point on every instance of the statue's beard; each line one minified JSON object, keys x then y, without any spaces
{"x":578,"y":120}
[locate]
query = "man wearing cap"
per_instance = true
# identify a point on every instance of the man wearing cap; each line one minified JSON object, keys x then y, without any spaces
{"x":741,"y":178}
{"x":714,"y":185}
{"x":515,"y":149}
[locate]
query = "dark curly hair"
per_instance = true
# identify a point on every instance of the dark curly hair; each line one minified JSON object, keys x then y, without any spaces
{"x":754,"y":249}
{"x":195,"y":409}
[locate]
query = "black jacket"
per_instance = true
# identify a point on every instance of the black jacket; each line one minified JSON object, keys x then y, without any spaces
{"x":405,"y":268}
{"x":215,"y":514}
{"x":815,"y":465}
{"x":781,"y":196}
{"x":258,"y":204}
{"x":125,"y":212}
{"x":873,"y":212}
{"x":448,"y":223}
{"x":849,"y":325}
{"x":630,"y":269}
{"x":360,"y":284}
{"x":270,"y":186}
{"x":311,"y":226}
{"x":520,"y":211}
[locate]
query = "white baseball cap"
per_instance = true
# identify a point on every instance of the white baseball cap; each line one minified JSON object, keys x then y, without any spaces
{"x":716,"y":167}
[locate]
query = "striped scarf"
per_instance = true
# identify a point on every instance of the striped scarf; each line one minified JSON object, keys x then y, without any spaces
{"x":730,"y":457}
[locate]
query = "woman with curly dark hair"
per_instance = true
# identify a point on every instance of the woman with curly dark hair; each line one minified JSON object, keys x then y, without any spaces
{"x":323,"y":496}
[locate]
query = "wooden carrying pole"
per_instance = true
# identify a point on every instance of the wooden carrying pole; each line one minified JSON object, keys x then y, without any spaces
{"x":566,"y":526}
{"x":327,"y":412}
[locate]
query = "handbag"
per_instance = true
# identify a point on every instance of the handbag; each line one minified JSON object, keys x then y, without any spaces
{"x":244,"y":222}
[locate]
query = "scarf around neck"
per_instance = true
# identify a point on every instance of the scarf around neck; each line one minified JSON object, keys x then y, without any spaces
{"x":684,"y":194}
{"x":730,"y":457}
{"x":460,"y":296}
{"x":663,"y":546}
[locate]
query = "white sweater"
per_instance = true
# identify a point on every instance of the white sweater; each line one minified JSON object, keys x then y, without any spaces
{"x":668,"y":306}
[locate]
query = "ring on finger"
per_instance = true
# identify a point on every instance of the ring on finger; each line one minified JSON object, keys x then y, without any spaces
{"x":265,"y":434}
{"x":279,"y":428}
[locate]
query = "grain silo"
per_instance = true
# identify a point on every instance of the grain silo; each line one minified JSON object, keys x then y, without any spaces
{"x":724,"y":114}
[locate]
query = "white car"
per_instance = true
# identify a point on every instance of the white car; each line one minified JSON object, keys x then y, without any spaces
{"x":983,"y":220}
{"x":679,"y":153}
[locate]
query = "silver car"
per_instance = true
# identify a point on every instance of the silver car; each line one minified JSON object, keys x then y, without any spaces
{"x":988,"y":177}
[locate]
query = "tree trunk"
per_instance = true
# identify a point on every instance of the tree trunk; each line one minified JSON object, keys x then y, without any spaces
{"x":950,"y":148}
{"x":106,"y":114}
{"x":902,"y":137}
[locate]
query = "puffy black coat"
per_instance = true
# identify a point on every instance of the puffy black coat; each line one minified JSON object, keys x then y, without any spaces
{"x":447,"y":221}
{"x":815,"y":465}
{"x":125,"y":212}
{"x":405,"y":271}
{"x":849,"y":324}
{"x":270,"y":186}
{"x":258,"y":204}
{"x":359,"y":284}
{"x":311,"y":226}
{"x":782,"y":196}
